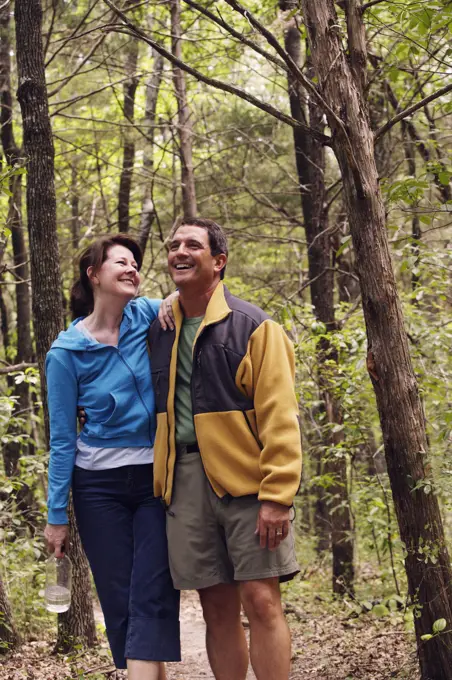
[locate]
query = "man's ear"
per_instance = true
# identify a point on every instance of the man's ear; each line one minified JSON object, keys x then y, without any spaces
{"x":220,"y":262}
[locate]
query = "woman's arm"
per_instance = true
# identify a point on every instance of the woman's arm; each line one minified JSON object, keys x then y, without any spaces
{"x":162,"y":309}
{"x":62,"y":400}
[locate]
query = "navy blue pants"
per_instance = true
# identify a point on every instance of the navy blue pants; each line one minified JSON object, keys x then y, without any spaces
{"x":122,"y":528}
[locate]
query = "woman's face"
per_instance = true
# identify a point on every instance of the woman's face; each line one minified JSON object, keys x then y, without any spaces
{"x":118,"y":275}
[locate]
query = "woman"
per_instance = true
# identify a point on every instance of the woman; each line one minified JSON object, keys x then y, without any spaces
{"x":101,"y":362}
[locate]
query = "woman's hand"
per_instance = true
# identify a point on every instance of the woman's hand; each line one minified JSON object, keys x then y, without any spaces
{"x":57,"y":537}
{"x":166,"y":316}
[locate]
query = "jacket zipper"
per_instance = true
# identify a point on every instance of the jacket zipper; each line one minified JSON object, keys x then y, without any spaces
{"x":138,"y":392}
{"x":165,"y":488}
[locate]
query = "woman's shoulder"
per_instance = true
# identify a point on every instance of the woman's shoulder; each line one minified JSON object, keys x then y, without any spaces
{"x":71,"y":339}
{"x":147,"y":308}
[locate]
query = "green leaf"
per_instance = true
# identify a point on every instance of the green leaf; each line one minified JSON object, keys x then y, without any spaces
{"x":439,"y":625}
{"x":444,"y":178}
{"x":427,"y":636}
{"x":380,"y":610}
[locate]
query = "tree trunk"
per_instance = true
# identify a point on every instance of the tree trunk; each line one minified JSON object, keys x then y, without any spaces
{"x":125,"y":182}
{"x":24,"y":352}
{"x":184,"y":117}
{"x":416,"y":233}
{"x":310,"y":162}
{"x":8,"y":635}
{"x":41,"y":202}
{"x":78,"y":622}
{"x":152,"y":93}
{"x":41,"y":213}
{"x":75,"y":219}
{"x":389,"y":363}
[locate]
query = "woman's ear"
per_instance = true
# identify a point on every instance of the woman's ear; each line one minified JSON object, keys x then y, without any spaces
{"x":92,"y":277}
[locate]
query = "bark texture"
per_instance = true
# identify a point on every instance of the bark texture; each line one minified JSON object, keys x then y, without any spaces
{"x":185,"y":125}
{"x":389,"y":363}
{"x":77,"y":624}
{"x":45,"y":271}
{"x":24,"y":353}
{"x":39,"y":159}
{"x":75,"y":220}
{"x":152,"y":93}
{"x":310,"y":162}
{"x":128,"y":158}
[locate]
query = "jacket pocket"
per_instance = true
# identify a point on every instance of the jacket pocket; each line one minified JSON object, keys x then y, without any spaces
{"x":250,"y":417}
{"x":105,"y":413}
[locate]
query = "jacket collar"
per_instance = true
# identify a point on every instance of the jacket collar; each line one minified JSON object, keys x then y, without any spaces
{"x":217,"y":309}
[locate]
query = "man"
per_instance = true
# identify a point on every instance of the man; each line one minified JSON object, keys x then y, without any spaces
{"x":227,"y":455}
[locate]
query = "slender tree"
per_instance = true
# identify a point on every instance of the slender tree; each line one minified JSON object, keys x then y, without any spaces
{"x":152,"y":92}
{"x":129,"y":89}
{"x":184,"y":115}
{"x":389,"y":364}
{"x":310,"y":163}
{"x":24,"y":351}
{"x":78,"y":623}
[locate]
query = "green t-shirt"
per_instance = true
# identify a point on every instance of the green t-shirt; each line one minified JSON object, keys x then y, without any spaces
{"x":185,"y":427}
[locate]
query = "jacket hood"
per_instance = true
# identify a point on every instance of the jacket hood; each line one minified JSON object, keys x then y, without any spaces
{"x":73,"y":339}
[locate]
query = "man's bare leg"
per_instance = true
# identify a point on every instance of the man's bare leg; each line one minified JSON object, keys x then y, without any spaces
{"x":269,"y":633}
{"x":225,"y":638}
{"x":162,"y":672}
{"x":143,"y":670}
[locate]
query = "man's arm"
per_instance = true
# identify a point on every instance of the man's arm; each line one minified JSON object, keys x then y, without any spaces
{"x":268,"y":376}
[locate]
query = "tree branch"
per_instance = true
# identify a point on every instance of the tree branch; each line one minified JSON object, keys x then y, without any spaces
{"x":298,"y":74}
{"x":279,"y":115}
{"x":370,"y":4}
{"x":16,"y":367}
{"x":222,"y":23}
{"x":411,"y":109}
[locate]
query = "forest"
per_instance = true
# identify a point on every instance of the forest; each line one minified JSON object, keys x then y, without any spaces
{"x":317,"y":134}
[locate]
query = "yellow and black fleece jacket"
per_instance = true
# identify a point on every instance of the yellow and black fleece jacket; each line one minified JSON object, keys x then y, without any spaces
{"x":244,"y":405}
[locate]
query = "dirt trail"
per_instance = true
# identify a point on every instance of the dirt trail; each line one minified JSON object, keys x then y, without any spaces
{"x":326,"y":644}
{"x":195,"y":663}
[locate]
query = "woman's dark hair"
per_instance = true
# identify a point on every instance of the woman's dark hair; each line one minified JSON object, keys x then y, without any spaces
{"x":82,"y":298}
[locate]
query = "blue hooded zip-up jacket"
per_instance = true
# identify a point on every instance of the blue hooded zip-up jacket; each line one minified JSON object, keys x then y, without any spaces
{"x":114,"y":386}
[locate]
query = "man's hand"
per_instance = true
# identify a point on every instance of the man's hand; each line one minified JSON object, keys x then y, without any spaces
{"x":57,"y":537}
{"x":272,"y":524}
{"x":166,"y":316}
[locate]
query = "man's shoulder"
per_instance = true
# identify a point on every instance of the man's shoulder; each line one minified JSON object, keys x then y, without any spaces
{"x":240,"y":307}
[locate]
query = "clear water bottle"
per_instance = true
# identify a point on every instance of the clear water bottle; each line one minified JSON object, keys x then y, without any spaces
{"x":57,"y":594}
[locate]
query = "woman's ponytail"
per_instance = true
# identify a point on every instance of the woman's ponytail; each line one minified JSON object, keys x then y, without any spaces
{"x":82,"y":300}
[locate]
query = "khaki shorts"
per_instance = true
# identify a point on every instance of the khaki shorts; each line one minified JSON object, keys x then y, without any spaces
{"x":211,"y":540}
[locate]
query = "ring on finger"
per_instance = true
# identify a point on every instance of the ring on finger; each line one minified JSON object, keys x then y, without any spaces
{"x":278,"y":532}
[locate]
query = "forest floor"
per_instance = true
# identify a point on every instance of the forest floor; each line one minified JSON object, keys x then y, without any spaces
{"x":328,"y":644}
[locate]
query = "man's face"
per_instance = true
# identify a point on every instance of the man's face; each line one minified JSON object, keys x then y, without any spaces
{"x":190,"y":261}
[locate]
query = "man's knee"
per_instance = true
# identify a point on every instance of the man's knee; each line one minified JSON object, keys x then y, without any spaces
{"x":220,"y":604}
{"x":262,"y":600}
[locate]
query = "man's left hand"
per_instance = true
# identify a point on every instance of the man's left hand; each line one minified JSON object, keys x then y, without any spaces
{"x":272,"y":524}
